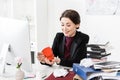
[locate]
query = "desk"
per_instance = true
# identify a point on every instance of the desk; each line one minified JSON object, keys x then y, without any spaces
{"x":10,"y":73}
{"x":47,"y":71}
{"x":3,"y":78}
{"x":39,"y":70}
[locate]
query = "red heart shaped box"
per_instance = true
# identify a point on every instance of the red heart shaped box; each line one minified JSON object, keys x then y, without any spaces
{"x":48,"y":53}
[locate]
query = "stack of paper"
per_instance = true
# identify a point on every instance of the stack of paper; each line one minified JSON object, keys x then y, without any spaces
{"x":60,"y":73}
{"x":108,"y":65}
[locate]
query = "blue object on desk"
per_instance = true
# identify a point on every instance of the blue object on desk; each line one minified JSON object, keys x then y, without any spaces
{"x":118,"y":73}
{"x":82,"y":71}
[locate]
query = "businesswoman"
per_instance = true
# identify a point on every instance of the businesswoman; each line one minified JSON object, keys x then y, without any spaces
{"x":69,"y":46}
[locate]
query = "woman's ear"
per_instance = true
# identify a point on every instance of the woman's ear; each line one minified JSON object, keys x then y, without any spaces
{"x":77,"y":26}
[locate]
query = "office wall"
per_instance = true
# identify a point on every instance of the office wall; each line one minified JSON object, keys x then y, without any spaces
{"x":41,"y":24}
{"x":45,"y":20}
{"x":55,"y":8}
{"x":100,"y":28}
{"x":20,"y":9}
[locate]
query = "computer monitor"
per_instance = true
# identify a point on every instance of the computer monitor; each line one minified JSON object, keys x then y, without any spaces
{"x":16,"y":33}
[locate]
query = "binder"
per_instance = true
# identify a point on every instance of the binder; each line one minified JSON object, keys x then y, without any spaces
{"x":97,"y":56}
{"x":82,"y":71}
{"x":95,"y":51}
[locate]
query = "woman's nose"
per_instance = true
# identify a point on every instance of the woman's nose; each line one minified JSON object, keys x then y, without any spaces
{"x":65,"y":28}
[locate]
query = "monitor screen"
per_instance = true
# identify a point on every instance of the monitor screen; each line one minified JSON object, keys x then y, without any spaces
{"x":16,"y":33}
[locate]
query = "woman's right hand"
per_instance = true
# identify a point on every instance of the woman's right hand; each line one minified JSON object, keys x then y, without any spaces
{"x":41,"y":57}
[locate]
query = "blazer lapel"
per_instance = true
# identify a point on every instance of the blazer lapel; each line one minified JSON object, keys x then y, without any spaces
{"x":73,"y":47}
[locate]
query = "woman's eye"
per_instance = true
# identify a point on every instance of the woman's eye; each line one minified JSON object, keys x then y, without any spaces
{"x":68,"y":25}
{"x":62,"y":25}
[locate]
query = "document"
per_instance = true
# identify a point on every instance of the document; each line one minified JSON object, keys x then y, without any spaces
{"x":107,"y":65}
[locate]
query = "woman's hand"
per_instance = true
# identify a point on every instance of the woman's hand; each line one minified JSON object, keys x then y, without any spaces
{"x":57,"y":60}
{"x":48,"y":61}
{"x":41,"y":57}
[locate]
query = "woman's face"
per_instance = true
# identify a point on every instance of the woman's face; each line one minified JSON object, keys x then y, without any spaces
{"x":68,"y":27}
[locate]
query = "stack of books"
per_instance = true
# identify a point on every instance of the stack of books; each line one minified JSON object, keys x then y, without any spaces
{"x":96,"y":51}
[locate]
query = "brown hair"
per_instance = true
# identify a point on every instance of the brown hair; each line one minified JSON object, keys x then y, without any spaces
{"x":72,"y":15}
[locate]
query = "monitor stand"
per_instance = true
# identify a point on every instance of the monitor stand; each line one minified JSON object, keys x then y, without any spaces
{"x":3,"y":67}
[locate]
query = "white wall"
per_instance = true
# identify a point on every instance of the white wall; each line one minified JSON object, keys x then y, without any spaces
{"x":55,"y":8}
{"x":45,"y":21}
{"x":104,"y":28}
{"x":41,"y":24}
{"x":20,"y":9}
{"x":100,"y":28}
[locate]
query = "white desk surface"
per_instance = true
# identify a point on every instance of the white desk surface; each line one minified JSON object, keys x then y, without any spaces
{"x":39,"y":71}
{"x":2,"y":78}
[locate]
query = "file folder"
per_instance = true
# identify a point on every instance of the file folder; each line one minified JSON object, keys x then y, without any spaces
{"x":82,"y":71}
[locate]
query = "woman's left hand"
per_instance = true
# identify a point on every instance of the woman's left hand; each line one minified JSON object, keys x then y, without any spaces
{"x":48,"y":61}
{"x":57,"y":60}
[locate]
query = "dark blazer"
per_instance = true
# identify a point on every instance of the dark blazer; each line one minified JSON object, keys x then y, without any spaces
{"x":78,"y":48}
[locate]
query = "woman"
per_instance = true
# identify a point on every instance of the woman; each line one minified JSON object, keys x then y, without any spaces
{"x":69,"y":46}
